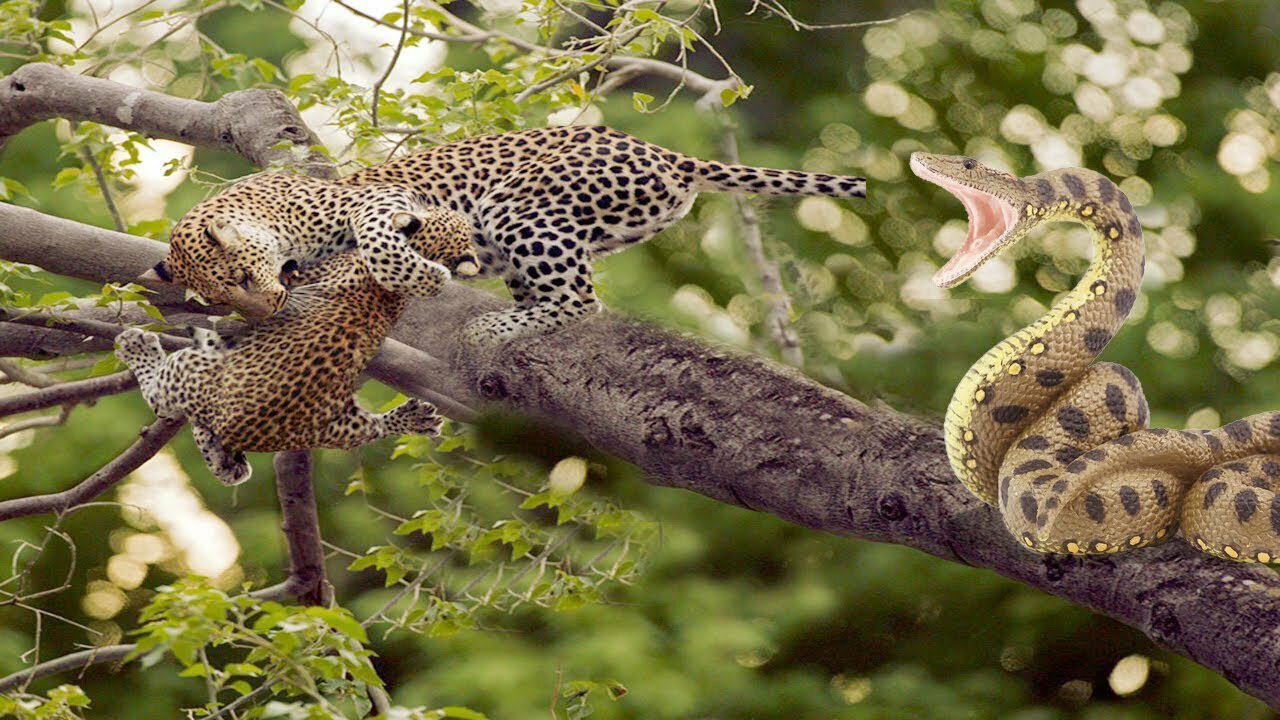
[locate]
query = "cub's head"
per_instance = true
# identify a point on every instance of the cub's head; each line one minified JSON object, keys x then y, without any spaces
{"x":236,"y":264}
{"x":440,"y":235}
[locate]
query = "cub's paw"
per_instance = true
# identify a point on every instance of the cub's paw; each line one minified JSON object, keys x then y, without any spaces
{"x":414,"y":417}
{"x":135,"y":345}
{"x":232,"y":468}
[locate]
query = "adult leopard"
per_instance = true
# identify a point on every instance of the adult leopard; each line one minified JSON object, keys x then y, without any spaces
{"x":544,"y":204}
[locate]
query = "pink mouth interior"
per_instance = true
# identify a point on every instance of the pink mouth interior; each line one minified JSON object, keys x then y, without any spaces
{"x":990,"y":219}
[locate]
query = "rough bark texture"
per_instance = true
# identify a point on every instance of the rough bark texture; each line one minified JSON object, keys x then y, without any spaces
{"x":738,"y":429}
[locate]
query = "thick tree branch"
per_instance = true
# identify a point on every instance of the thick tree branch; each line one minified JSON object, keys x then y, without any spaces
{"x":249,"y":122}
{"x":301,"y":526}
{"x":150,"y":441}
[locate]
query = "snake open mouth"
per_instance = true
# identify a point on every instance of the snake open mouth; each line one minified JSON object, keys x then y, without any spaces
{"x":990,"y":221}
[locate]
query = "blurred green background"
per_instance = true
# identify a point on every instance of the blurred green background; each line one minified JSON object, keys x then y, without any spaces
{"x":737,"y":614}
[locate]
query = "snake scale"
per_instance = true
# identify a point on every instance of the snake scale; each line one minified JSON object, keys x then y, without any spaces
{"x":1059,"y":443}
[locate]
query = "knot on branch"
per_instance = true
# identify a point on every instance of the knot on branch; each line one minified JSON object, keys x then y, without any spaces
{"x":492,"y":387}
{"x":891,"y":507}
{"x":657,"y":434}
{"x":1056,"y":566}
{"x":1164,"y":623}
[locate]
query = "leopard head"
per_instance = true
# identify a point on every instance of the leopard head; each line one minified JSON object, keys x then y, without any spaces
{"x":231,"y":263}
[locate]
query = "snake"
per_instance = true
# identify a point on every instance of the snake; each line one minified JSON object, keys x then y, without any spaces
{"x":1060,"y":444}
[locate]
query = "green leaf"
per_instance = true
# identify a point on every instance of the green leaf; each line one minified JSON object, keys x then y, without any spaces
{"x":640,"y":101}
{"x":66,"y":176}
{"x":340,"y":620}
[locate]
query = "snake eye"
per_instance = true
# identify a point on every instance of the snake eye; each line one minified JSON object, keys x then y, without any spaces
{"x":970,"y":163}
{"x":287,"y":270}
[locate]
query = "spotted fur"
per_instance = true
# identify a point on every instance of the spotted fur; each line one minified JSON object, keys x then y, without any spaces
{"x":1059,"y":443}
{"x":289,"y":383}
{"x":544,"y":204}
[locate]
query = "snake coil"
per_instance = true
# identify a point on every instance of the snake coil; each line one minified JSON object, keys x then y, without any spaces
{"x":1059,"y":443}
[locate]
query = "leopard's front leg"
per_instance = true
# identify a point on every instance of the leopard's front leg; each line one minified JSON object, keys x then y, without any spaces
{"x":381,"y":237}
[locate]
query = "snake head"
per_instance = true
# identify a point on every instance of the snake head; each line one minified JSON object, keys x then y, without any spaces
{"x":995,"y":201}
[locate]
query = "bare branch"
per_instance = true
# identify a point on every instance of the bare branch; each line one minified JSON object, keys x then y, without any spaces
{"x":249,"y":122}
{"x":391,"y":65}
{"x":35,"y":422}
{"x":79,"y":391}
{"x":151,"y":440}
{"x":116,"y":218}
{"x":17,"y":373}
{"x":74,"y":661}
{"x":301,"y":525}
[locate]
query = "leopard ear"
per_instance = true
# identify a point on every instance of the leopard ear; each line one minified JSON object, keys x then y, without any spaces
{"x":406,"y":223}
{"x":157,"y":274}
{"x":224,"y":235}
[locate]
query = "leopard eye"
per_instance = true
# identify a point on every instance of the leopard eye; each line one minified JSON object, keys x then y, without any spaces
{"x":287,"y":270}
{"x":243,"y":281}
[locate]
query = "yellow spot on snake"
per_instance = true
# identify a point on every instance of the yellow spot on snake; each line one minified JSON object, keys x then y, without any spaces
{"x":971,"y":463}
{"x":1070,"y":316}
{"x":1073,"y":547}
{"x":1135,"y":540}
{"x":1086,"y":211}
{"x":1203,"y":545}
{"x":1015,"y":367}
{"x":968,"y":436}
{"x":1264,"y":557}
{"x":1100,"y":547}
{"x":1027,"y":540}
{"x":1100,"y":289}
{"x":1230,"y":551}
{"x":1113,"y":232}
{"x":1161,"y":533}
{"x":1037,"y":348}
{"x":980,"y":395}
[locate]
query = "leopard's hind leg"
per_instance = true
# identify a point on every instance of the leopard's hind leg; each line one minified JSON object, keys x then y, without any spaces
{"x":141,"y":351}
{"x":357,"y":426}
{"x":227,"y":465}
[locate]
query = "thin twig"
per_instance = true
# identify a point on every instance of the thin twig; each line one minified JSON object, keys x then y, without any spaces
{"x":116,"y":218}
{"x":36,"y":422}
{"x":395,"y":57}
{"x":795,"y":24}
{"x":74,"y":661}
{"x":778,"y":319}
{"x":15,"y":372}
{"x":151,"y":440}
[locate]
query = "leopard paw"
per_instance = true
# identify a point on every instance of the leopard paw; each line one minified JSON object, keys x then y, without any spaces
{"x":136,"y":345}
{"x":414,"y":417}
